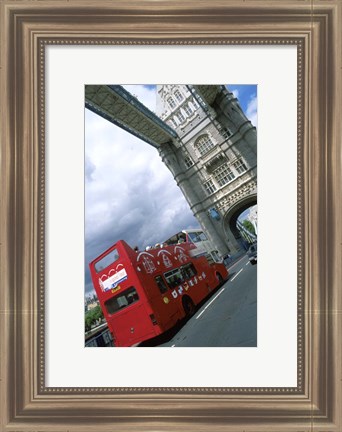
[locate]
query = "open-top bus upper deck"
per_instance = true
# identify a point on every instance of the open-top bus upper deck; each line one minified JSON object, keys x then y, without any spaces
{"x":203,"y":246}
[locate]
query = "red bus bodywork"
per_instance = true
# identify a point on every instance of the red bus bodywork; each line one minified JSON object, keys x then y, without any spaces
{"x":143,"y":294}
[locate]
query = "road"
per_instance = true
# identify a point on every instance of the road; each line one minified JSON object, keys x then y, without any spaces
{"x":228,"y":318}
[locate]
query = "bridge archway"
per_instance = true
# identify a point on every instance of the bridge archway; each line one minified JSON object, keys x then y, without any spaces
{"x":235,"y":240}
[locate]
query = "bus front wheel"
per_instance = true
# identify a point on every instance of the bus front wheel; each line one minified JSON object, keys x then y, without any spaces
{"x":188,"y":306}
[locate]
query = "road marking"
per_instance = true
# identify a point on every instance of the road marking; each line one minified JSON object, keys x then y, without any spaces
{"x":173,"y":346}
{"x":210,"y":303}
{"x":237,"y":262}
{"x":237,"y":274}
{"x":247,"y":263}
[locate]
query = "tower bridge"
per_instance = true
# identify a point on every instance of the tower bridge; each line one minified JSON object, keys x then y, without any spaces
{"x":206,"y":141}
{"x":118,"y":106}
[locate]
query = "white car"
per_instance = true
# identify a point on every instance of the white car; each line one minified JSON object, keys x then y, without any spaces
{"x":253,"y":254}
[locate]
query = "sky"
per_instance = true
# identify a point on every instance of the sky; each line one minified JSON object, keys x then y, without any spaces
{"x":129,"y":193}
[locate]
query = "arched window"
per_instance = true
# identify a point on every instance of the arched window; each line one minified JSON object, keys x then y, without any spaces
{"x":204,"y":144}
{"x":187,"y":110}
{"x":178,"y":95}
{"x":171,"y":102}
{"x":172,"y":123}
{"x":180,"y":116}
{"x":188,"y":161}
{"x":194,"y":102}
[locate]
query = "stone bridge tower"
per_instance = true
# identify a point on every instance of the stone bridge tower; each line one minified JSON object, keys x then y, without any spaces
{"x":214,"y":161}
{"x":206,"y":141}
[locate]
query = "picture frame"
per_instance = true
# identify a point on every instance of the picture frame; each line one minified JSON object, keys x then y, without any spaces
{"x":27,"y":27}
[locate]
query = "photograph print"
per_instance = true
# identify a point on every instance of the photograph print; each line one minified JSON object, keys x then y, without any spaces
{"x":171,"y":215}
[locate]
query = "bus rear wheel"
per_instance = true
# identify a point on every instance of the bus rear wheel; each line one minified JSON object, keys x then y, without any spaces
{"x":219,"y":278}
{"x":188,"y":306}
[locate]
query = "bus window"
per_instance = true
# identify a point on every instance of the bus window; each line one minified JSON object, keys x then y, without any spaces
{"x":196,"y":237}
{"x":188,"y":271}
{"x":172,"y":240}
{"x":215,"y":255}
{"x":181,"y":238}
{"x":202,"y":236}
{"x":161,"y":284}
{"x":210,"y":258}
{"x":107,"y":260}
{"x":174,"y":278}
{"x":122,"y":300}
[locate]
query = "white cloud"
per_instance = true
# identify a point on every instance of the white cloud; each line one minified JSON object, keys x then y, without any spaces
{"x":129,"y":192}
{"x":236,"y":93}
{"x":252,"y":110}
{"x":144,"y":94}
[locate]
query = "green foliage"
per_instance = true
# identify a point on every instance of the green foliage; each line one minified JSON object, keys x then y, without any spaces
{"x":249,"y":226}
{"x":92,"y":316}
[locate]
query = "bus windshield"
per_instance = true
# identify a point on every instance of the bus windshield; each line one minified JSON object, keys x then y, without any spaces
{"x":196,"y":237}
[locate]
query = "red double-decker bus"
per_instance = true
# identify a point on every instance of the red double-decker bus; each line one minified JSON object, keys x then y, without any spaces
{"x":143,"y":294}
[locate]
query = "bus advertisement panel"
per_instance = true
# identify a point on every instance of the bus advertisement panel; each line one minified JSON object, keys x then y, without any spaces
{"x":145,"y":293}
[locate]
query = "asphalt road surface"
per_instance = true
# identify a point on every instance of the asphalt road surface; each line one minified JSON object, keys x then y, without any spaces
{"x":228,"y":318}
